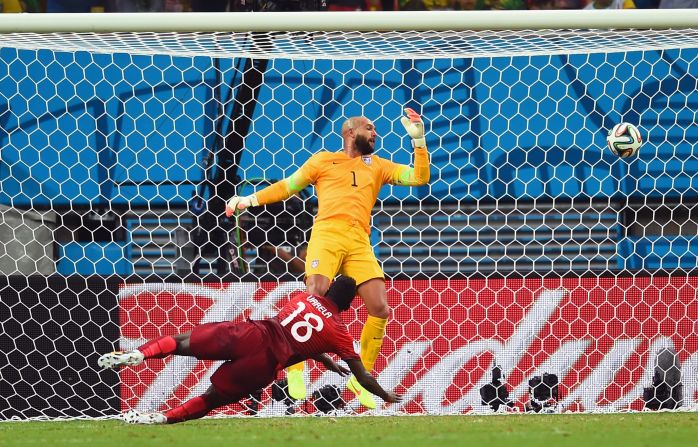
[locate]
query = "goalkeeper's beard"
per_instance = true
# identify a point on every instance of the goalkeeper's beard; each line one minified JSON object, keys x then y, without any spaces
{"x":363,"y":145}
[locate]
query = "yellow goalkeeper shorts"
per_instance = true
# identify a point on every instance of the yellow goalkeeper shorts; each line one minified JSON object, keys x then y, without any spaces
{"x":340,"y":247}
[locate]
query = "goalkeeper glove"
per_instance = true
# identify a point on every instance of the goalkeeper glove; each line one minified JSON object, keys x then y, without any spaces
{"x":240,"y":203}
{"x":415,"y":127}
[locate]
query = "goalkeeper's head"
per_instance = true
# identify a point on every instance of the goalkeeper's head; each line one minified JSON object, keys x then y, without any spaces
{"x":360,"y":133}
{"x":342,"y":292}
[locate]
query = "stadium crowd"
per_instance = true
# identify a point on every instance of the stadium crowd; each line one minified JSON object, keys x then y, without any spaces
{"x":11,"y":6}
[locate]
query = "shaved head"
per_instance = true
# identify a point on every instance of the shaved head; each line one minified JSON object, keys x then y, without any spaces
{"x":353,"y":123}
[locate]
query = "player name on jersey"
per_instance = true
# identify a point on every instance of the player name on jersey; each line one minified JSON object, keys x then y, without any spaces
{"x":316,"y":304}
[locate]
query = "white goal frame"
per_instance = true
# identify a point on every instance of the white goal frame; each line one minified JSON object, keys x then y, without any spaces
{"x":293,"y":37}
{"x":350,"y":21}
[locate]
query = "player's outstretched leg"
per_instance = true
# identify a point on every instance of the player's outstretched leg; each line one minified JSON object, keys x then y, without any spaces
{"x":371,"y":342}
{"x":375,"y":298}
{"x":197,"y":407}
{"x":194,"y":408}
{"x":157,"y":348}
{"x":137,"y":417}
{"x":118,"y":358}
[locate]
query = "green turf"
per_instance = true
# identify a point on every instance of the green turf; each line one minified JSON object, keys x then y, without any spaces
{"x":616,"y":430}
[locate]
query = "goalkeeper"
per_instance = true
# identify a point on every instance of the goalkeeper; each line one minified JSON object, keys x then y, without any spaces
{"x":347,"y":185}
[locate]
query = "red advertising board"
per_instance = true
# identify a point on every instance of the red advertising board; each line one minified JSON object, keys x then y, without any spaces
{"x":600,"y":336}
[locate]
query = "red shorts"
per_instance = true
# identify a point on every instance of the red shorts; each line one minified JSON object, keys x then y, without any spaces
{"x":251,"y":364}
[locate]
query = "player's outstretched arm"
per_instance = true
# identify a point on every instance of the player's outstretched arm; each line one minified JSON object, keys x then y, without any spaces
{"x":419,"y":174}
{"x":369,"y":382}
{"x":331,"y":365}
{"x":276,"y":192}
{"x":414,"y":126}
{"x":240,"y":203}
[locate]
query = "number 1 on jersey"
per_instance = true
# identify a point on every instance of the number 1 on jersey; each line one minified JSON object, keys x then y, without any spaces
{"x":353,"y":174}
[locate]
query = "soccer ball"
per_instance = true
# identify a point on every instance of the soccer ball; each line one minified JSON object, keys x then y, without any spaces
{"x":624,"y":140}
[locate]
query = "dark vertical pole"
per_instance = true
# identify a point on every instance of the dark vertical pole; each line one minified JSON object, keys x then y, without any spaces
{"x":225,"y":179}
{"x":230,"y":154}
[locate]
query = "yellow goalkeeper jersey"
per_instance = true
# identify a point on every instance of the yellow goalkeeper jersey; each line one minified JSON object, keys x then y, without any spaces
{"x":347,"y":188}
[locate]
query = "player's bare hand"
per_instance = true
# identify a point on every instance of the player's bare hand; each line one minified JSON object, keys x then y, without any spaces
{"x":339,"y":369}
{"x":333,"y":366}
{"x":239,"y":203}
{"x":414,"y":126}
{"x":392,"y":397}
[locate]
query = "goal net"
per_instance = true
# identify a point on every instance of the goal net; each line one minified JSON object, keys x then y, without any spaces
{"x":536,"y":272}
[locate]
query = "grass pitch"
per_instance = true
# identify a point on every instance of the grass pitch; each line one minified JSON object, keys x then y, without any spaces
{"x":615,"y":430}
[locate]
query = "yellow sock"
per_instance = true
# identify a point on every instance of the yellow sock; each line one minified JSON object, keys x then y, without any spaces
{"x":371,"y":340}
{"x":300,"y":366}
{"x":296,"y":381}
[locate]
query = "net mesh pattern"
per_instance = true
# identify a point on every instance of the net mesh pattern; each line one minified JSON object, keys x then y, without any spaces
{"x":359,"y":45}
{"x":533,"y":252}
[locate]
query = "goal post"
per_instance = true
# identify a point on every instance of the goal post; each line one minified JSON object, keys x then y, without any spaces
{"x":333,"y":34}
{"x":534,"y":251}
{"x":348,"y":21}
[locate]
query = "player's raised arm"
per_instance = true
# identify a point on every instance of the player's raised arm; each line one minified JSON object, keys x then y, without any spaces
{"x":369,"y":382}
{"x":276,"y":192}
{"x":419,"y":174}
{"x":414,"y":126}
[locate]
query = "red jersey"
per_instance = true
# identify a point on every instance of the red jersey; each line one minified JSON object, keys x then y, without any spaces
{"x":307,"y":326}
